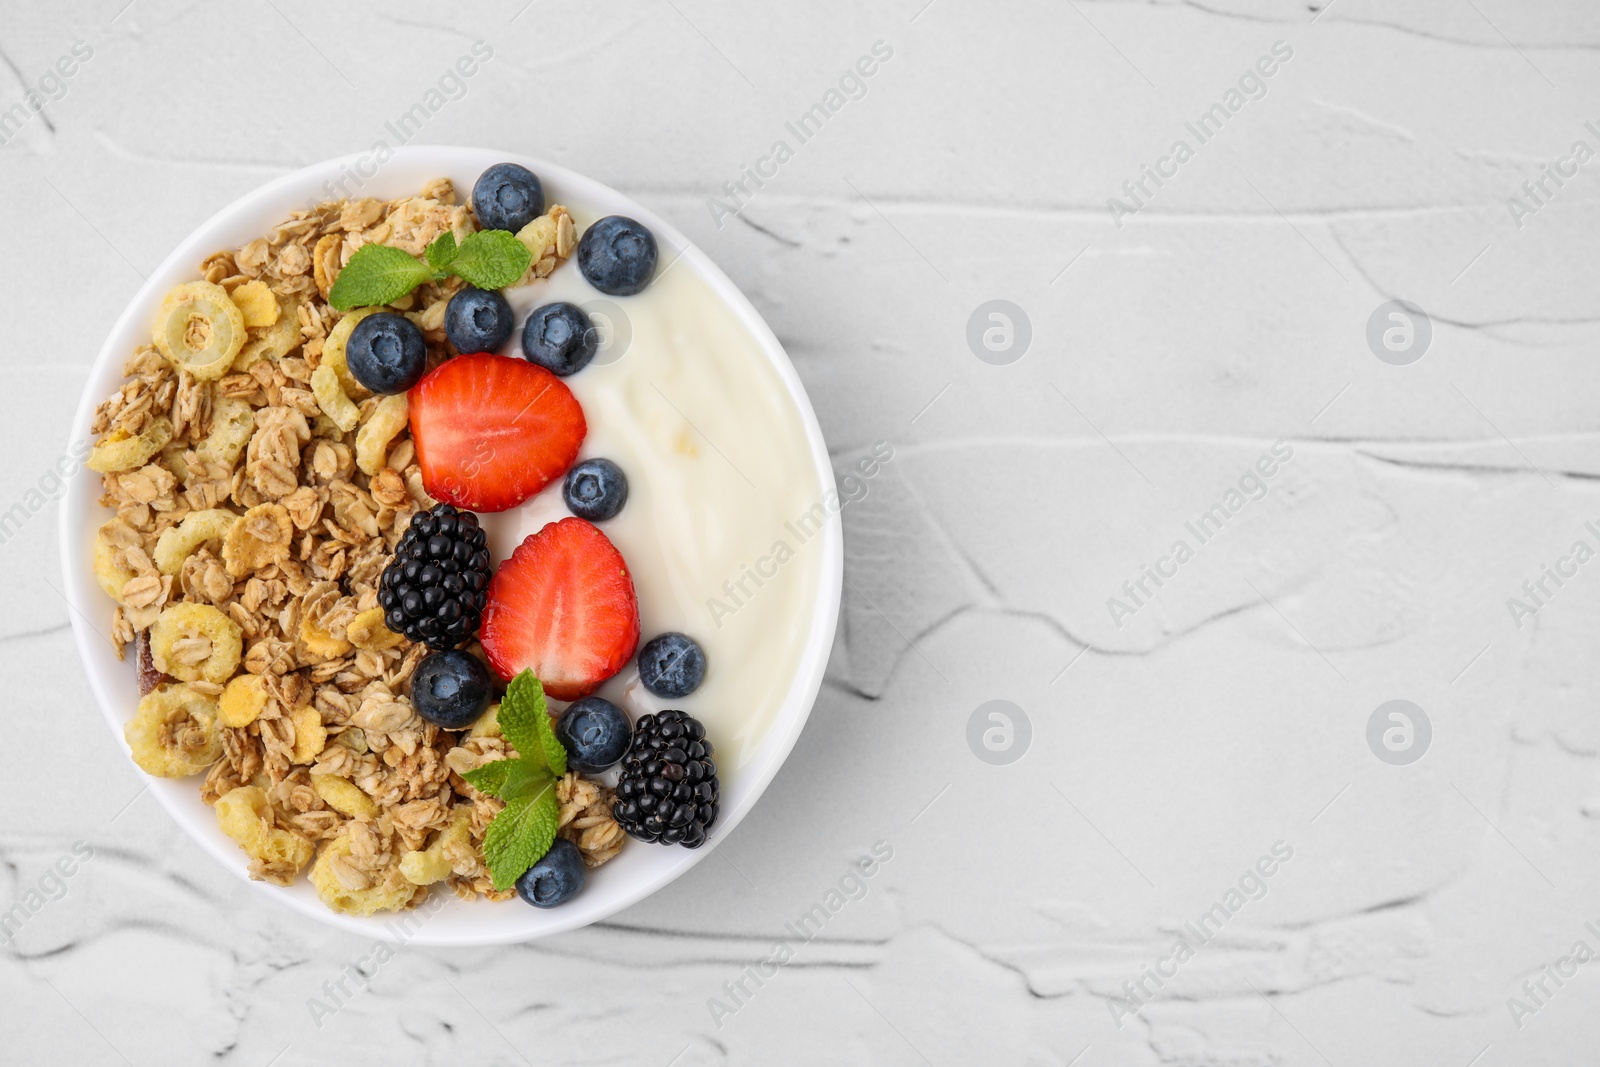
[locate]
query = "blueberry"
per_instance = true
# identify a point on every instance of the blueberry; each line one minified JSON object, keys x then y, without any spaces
{"x":672,"y":665}
{"x":478,"y":320}
{"x":451,"y":689}
{"x":386,"y":353}
{"x":560,"y":338}
{"x":507,"y":197}
{"x":596,"y":489}
{"x":555,"y":879}
{"x":595,"y":733}
{"x":617,"y":255}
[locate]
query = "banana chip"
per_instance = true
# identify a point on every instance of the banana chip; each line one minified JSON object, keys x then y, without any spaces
{"x":276,"y":855}
{"x":232,"y":423}
{"x":331,"y":399}
{"x":109,"y":542}
{"x":488,"y":724}
{"x":274,"y":341}
{"x":177,"y":543}
{"x":551,"y":238}
{"x":347,"y":889}
{"x":192,"y":642}
{"x":120,"y":450}
{"x":175,"y":732}
{"x":199,"y":329}
{"x":388,"y":418}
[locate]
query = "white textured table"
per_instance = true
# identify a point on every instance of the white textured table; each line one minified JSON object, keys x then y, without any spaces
{"x":1183,"y":735}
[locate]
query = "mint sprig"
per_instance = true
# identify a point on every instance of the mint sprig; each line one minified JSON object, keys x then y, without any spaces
{"x":524,"y":831}
{"x":379,"y":274}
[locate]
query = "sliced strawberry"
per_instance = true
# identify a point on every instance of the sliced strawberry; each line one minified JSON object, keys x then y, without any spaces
{"x":492,"y":431}
{"x":562,"y":605}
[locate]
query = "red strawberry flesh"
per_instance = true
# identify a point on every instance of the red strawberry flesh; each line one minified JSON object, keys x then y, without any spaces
{"x":492,"y":431}
{"x":563,"y":606}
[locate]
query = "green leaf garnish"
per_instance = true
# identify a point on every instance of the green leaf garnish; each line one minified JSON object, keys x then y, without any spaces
{"x":524,"y":831}
{"x":520,"y":711}
{"x":378,"y":274}
{"x":521,"y":834}
{"x":491,"y":259}
{"x":441,"y":251}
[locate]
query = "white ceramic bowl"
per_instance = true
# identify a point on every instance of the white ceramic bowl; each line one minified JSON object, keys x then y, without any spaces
{"x":640,"y":869}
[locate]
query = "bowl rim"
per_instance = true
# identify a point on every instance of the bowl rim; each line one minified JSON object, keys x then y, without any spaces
{"x":277,"y":198}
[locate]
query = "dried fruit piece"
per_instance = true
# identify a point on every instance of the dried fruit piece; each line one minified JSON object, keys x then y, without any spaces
{"x":347,"y":889}
{"x":438,"y":861}
{"x":175,"y":732}
{"x":310,"y":736}
{"x":242,"y":701}
{"x":276,"y":855}
{"x":275,"y":341}
{"x":344,"y":796}
{"x":333,"y":352}
{"x":120,"y":450}
{"x":199,"y":329}
{"x":109,"y":569}
{"x":144,"y":668}
{"x":388,"y":418}
{"x":331,"y":399}
{"x":192,"y":642}
{"x":178,"y":542}
{"x":232,"y":423}
{"x":367,"y":631}
{"x":259,"y":539}
{"x":257,"y":304}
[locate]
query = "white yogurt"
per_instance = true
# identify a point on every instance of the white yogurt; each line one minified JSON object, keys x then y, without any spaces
{"x":721,"y":530}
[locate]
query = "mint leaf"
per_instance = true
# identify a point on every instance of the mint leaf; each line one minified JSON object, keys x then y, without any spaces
{"x":555,"y":756}
{"x":377,"y":275}
{"x":490,"y":259}
{"x":525,"y":779}
{"x":491,"y":777}
{"x":441,"y":251}
{"x":520,"y":711}
{"x":520,"y":835}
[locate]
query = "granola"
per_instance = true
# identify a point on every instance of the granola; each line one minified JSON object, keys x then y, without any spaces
{"x":258,"y":493}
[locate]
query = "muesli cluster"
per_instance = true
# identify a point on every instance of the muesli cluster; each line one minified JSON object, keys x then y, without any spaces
{"x":265,"y":459}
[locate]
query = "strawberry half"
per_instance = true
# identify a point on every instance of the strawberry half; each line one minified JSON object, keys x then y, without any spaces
{"x":563,"y":605}
{"x":492,"y":431}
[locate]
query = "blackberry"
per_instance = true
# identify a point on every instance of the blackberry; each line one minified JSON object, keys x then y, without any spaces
{"x":668,"y":790}
{"x":435,"y":589}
